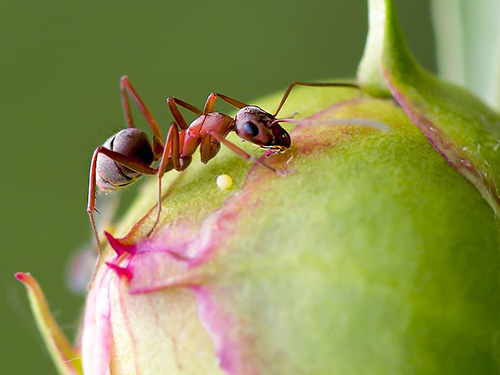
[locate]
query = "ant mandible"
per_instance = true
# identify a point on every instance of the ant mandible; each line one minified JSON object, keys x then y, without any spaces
{"x":128,"y":154}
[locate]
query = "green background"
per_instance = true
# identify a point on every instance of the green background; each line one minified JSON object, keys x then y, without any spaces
{"x":60,"y":65}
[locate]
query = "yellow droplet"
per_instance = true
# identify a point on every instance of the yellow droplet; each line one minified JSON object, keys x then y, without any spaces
{"x":224,"y":181}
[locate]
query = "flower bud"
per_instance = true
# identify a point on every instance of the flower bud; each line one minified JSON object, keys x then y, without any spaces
{"x":376,"y":253}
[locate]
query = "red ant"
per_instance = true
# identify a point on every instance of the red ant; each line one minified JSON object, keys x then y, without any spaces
{"x":128,"y":154}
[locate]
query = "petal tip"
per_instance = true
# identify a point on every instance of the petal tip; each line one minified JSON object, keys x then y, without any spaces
{"x":119,"y":246}
{"x":23,"y":277}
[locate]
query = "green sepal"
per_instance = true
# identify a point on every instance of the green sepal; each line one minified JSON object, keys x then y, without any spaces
{"x":464,"y":130}
{"x":66,"y":358}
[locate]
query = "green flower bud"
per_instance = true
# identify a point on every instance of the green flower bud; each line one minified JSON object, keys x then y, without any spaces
{"x":377,"y":253}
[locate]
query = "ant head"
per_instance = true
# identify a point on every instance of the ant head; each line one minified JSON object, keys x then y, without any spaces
{"x":255,"y":125}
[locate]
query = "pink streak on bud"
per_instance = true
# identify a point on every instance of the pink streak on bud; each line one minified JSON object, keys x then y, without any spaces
{"x":120,"y":271}
{"x":231,"y":347}
{"x":96,"y":338}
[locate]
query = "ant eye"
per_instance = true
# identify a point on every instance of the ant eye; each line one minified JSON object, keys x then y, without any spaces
{"x":251,"y":129}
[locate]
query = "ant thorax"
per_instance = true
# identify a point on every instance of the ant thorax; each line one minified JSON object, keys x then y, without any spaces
{"x":211,"y":122}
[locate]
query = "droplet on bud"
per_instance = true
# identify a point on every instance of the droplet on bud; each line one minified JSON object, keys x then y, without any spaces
{"x":224,"y":182}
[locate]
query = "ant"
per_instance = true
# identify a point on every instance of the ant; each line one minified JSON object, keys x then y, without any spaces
{"x":128,"y":154}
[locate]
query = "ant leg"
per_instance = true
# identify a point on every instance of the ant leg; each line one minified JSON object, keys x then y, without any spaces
{"x":171,"y":152}
{"x":313,"y":84}
{"x":119,"y":158}
{"x":210,"y":103}
{"x":208,"y":148}
{"x":173,"y":103}
{"x":127,"y":89}
{"x":242,"y":152}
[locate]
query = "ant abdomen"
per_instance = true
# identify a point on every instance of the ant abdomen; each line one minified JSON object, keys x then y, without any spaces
{"x":131,"y":142}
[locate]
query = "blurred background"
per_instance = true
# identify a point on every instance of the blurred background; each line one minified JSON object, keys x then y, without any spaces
{"x":59,"y":71}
